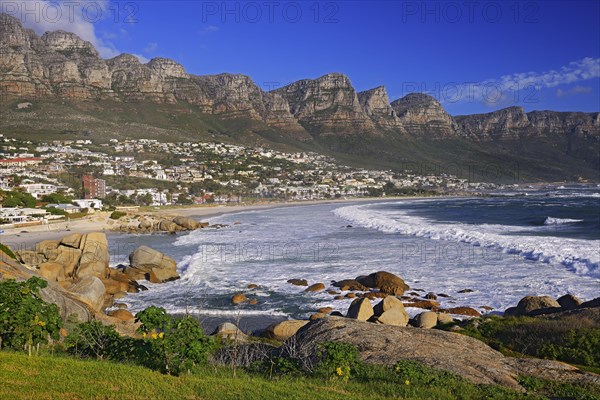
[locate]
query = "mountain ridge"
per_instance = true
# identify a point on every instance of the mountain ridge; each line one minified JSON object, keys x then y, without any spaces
{"x":326,"y":112}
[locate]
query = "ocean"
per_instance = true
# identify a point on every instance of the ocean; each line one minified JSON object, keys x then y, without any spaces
{"x":502,"y":247}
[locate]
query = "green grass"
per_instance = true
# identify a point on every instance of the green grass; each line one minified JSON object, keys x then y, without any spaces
{"x":58,"y":377}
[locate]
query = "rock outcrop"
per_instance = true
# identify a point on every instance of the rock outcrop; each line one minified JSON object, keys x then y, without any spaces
{"x":385,"y":345}
{"x":152,"y":265}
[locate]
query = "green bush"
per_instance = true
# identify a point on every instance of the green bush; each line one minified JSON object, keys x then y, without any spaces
{"x":178,"y":345}
{"x":569,"y":339}
{"x":337,"y":360}
{"x":117,"y":214}
{"x":25,"y":319}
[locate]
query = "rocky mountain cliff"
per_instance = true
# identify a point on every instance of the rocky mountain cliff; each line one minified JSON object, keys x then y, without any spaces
{"x":60,"y":67}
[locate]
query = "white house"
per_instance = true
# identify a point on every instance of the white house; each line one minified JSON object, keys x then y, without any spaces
{"x":89,"y":203}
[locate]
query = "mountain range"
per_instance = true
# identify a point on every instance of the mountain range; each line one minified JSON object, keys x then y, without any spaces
{"x":69,"y":90}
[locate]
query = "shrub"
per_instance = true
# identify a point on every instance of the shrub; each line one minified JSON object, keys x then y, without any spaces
{"x":570,"y":339}
{"x":176,"y":345}
{"x":117,"y":214}
{"x":25,"y":319}
{"x":337,"y":360}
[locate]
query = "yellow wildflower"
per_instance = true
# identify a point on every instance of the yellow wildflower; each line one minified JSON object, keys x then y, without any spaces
{"x":407,"y":382}
{"x":154,"y":335}
{"x":161,"y":335}
{"x":339,"y":371}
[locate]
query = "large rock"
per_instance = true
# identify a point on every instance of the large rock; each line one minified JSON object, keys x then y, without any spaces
{"x":68,"y":257}
{"x":427,"y":320}
{"x":284,"y":330}
{"x":350,"y":284}
{"x":94,"y":256}
{"x":30,"y":257}
{"x":569,"y":302}
{"x":535,"y":305}
{"x":316,"y":287}
{"x":147,"y":263}
{"x":187,"y":223}
{"x":387,"y":304}
{"x":360,"y":309}
{"x":168,"y":226}
{"x":72,"y":240}
{"x":52,"y":271}
{"x":384,"y":281}
{"x":122,"y":315}
{"x":386,"y":345}
{"x":394,"y":316}
{"x":90,"y":290}
{"x":47,"y":248}
{"x":591,"y":303}
{"x":229,"y":331}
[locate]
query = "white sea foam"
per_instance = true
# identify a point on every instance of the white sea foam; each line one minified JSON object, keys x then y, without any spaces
{"x":560,"y":221}
{"x":581,"y":256}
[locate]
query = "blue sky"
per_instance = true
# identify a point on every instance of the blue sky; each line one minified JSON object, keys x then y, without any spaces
{"x":473,"y":56}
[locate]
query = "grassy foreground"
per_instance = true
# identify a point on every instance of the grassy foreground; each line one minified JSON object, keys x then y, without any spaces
{"x":61,"y":377}
{"x":49,"y":377}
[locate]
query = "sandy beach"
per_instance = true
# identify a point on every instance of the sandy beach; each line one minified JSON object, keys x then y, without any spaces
{"x":27,"y":237}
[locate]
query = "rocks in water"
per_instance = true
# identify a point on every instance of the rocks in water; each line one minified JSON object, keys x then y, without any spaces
{"x":238,"y":298}
{"x":466,"y":291}
{"x":152,"y":265}
{"x":252,"y":286}
{"x":431,"y":296}
{"x":350,"y":295}
{"x":188,"y":223}
{"x":426,"y":320}
{"x":468,"y":311}
{"x":535,"y":305}
{"x":385,"y":345}
{"x":569,"y":302}
{"x":386,"y":282}
{"x":427,"y":304}
{"x":325,"y":310}
{"x":168,"y":226}
{"x":350,"y":284}
{"x":360,"y":309}
{"x":298,"y":282}
{"x":316,"y":287}
{"x":284,"y":330}
{"x":229,"y":331}
{"x":253,"y":302}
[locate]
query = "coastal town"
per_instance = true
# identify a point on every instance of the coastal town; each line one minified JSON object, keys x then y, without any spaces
{"x":66,"y":178}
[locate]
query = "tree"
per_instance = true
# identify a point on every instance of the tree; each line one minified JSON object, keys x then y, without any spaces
{"x":25,"y":319}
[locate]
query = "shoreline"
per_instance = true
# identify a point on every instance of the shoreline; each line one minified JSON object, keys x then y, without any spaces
{"x":26,"y":237}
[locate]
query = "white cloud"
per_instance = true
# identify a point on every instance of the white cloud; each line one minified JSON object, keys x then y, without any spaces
{"x":77,"y":17}
{"x":573,"y":91}
{"x":519,"y":87}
